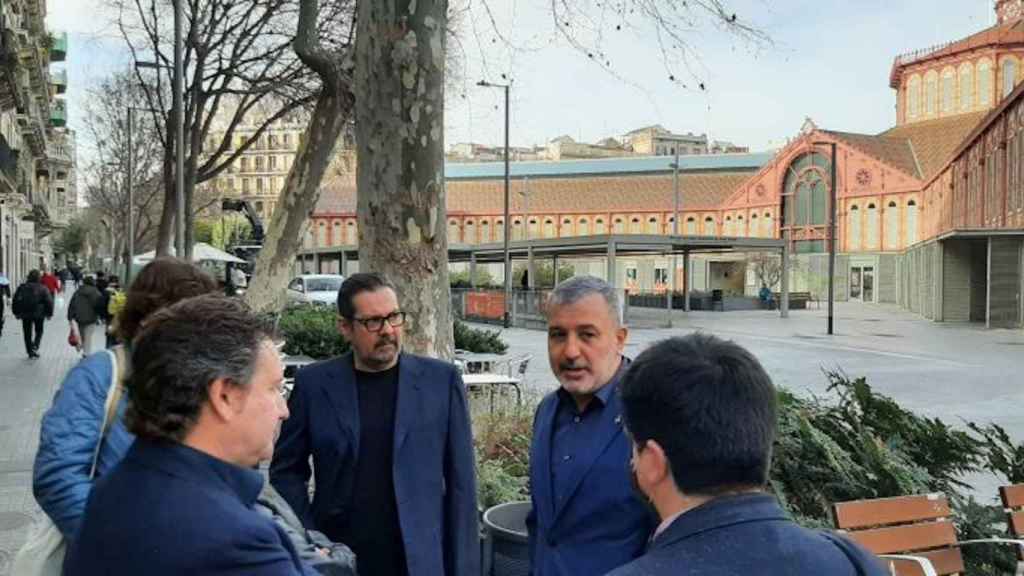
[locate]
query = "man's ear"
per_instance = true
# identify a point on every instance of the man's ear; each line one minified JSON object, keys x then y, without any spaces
{"x":345,"y":328}
{"x":226,"y":399}
{"x":656,"y":465}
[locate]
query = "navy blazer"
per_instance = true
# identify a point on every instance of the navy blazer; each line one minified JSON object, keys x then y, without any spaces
{"x":434,"y":474}
{"x":167,"y":509}
{"x":602,"y":524}
{"x":749,"y":534}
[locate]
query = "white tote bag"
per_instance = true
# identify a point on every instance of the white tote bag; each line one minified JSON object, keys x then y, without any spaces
{"x":43,"y":552}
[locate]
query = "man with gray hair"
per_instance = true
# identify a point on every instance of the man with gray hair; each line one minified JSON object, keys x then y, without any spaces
{"x":586,"y":516}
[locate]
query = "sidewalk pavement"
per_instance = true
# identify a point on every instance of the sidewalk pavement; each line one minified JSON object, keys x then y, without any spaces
{"x":27,"y":388}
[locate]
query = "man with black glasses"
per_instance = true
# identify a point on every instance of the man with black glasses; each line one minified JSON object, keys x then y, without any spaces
{"x":391,"y":444}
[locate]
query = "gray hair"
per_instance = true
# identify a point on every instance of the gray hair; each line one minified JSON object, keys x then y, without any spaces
{"x":579,"y":287}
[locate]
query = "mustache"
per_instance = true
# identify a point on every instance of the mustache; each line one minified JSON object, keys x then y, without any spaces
{"x":385,"y":340}
{"x":572,"y":366}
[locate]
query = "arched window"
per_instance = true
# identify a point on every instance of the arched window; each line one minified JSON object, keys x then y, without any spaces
{"x":853,"y":224}
{"x":691,"y":226}
{"x":966,"y":86}
{"x":599,"y":226}
{"x":740,"y":228}
{"x":948,"y":90}
{"x":892,"y":226}
{"x":583,"y":227}
{"x":567,"y":227}
{"x":754,"y":230}
{"x":652,"y":226}
{"x":533,"y":228}
{"x":469,"y":232}
{"x":352,"y":235}
{"x":914,"y":97}
{"x":1009,"y":75}
{"x":485,"y":231}
{"x":634,"y":225}
{"x":768,"y":225}
{"x":729,"y":231}
{"x":805,"y":196}
{"x":517,"y":230}
{"x":931,"y":90}
{"x":549,"y":228}
{"x":911,"y":222}
{"x":336,"y":234}
{"x":322,"y":235}
{"x":985,"y":83}
{"x":709,"y":226}
{"x":871,"y":240}
{"x":454,"y":237}
{"x":499,"y":230}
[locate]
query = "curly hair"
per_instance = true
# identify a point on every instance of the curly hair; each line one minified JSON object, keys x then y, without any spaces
{"x":161,"y":283}
{"x":173,"y":366}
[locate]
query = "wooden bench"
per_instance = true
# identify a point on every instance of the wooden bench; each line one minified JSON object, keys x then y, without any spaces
{"x":1013,"y":502}
{"x":915,"y":534}
{"x":797,"y":300}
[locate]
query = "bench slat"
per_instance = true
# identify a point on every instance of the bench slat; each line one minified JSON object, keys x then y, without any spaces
{"x":945,"y":561}
{"x":906,"y":539}
{"x":1013,"y":496}
{"x":884,"y":511}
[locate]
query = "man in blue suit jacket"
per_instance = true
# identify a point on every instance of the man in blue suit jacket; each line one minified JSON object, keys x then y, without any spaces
{"x":205,"y":412}
{"x":586,"y":518}
{"x":701,"y":413}
{"x":391,"y":443}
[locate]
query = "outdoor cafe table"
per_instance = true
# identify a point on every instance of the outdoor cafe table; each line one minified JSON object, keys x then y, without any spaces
{"x":493,"y":381}
{"x":477,"y":362}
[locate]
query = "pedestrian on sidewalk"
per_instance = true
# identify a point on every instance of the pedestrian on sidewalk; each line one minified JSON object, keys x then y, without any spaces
{"x":5,"y":295}
{"x":51,"y":282}
{"x":113,"y":301}
{"x":32,"y":304}
{"x":85,"y":312}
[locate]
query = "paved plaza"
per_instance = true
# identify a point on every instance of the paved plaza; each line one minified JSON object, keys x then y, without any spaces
{"x":952,"y":371}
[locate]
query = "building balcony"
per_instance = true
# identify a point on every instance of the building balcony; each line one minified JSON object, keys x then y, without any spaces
{"x":58,"y":46}
{"x":8,"y":166}
{"x":59,"y":81}
{"x":58,"y":114}
{"x":30,"y":120}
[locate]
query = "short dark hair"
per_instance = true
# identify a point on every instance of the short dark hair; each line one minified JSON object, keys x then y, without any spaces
{"x":710,"y":405}
{"x":33,"y":276}
{"x":161,"y":283}
{"x":355,"y":285}
{"x":172,"y":368}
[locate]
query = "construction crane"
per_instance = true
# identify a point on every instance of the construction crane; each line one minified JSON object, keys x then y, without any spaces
{"x":247,"y":251}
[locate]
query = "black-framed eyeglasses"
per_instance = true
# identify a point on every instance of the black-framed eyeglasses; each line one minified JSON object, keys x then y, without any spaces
{"x":376,"y":324}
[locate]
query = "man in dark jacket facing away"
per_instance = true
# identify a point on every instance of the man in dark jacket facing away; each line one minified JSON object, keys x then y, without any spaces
{"x":701,"y":415}
{"x":87,"y":309}
{"x":32,"y":304}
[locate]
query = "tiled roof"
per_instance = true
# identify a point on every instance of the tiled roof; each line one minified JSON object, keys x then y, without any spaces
{"x":566,"y":195}
{"x":895,"y":152}
{"x":630,"y":165}
{"x":934,"y":141}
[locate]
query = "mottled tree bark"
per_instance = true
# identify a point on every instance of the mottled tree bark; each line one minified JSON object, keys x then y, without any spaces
{"x":399,"y":85}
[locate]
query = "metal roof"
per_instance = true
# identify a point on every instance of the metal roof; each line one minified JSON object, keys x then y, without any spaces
{"x":594,"y":167}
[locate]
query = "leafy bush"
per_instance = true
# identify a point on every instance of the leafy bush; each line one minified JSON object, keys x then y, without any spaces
{"x":311,"y":331}
{"x":480,"y":341}
{"x":503,"y":456}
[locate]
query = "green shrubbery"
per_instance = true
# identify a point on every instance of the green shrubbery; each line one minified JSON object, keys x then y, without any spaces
{"x":312,"y":331}
{"x":859,"y":445}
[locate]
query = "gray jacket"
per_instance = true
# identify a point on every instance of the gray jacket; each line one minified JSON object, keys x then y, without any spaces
{"x":339,"y":560}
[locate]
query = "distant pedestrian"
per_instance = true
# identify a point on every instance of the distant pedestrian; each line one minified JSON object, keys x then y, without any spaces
{"x":51,"y":282}
{"x":70,"y":431}
{"x":5,"y":295}
{"x":76,"y":275}
{"x":101,"y":280}
{"x":113,"y":299}
{"x":32,"y":304}
{"x":86,"y":311}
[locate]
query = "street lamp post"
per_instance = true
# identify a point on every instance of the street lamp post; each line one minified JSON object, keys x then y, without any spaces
{"x":508,"y":259}
{"x":831,"y":235}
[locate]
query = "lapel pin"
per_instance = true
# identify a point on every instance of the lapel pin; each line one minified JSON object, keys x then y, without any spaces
{"x":618,"y":419}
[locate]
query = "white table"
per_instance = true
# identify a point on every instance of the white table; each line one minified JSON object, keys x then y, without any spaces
{"x":494,"y":381}
{"x":476,"y":362}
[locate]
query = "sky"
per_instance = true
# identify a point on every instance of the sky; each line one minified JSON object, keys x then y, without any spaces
{"x":828,"y":60}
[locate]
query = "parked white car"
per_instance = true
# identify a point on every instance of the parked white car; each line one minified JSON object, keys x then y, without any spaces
{"x":315,"y":289}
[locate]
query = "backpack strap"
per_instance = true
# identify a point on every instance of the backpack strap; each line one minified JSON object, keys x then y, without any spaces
{"x":118,"y":371}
